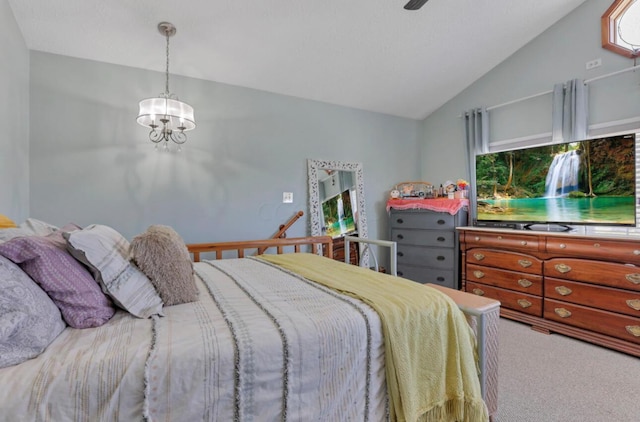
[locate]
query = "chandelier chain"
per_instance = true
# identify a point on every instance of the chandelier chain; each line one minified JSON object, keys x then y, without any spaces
{"x":166,"y":116}
{"x":167,"y":69}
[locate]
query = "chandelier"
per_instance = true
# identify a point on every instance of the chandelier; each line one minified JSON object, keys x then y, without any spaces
{"x":168,"y":117}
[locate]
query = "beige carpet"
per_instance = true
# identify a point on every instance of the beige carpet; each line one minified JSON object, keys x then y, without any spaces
{"x":553,"y":378}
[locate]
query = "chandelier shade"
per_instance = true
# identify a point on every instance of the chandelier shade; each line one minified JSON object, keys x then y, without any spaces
{"x":179,"y":114}
{"x":167,"y":116}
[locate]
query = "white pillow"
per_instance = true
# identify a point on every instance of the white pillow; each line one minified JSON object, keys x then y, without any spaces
{"x":29,"y":320}
{"x":30,"y":227}
{"x":38,"y":227}
{"x":105,"y":252}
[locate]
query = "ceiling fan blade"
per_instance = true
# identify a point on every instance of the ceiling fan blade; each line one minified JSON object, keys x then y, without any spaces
{"x":415,"y":4}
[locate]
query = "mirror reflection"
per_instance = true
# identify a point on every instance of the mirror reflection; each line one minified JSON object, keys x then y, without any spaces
{"x":336,"y":199}
{"x":337,"y":194}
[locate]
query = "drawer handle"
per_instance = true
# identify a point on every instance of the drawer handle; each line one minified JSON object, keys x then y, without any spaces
{"x":440,"y":258}
{"x":562,"y":313}
{"x":478,"y":292}
{"x":477,"y":238}
{"x":636,"y":252}
{"x":400,"y":221}
{"x":564,"y":291}
{"x":440,"y":239}
{"x":440,"y":278}
{"x":596,"y":245}
{"x":524,"y":303}
{"x":478,"y":256}
{"x":524,"y":282}
{"x":523,"y":243}
{"x":400,"y":237}
{"x":634,"y":330}
{"x":400,"y":254}
{"x":563,"y":268}
{"x":563,"y":246}
{"x":634,"y":304}
{"x":441,"y":222}
{"x":633,"y":278}
{"x":478,"y":274}
{"x":499,"y":237}
{"x":525,"y":263}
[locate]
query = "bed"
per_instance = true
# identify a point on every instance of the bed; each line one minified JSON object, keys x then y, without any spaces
{"x":270,"y":337}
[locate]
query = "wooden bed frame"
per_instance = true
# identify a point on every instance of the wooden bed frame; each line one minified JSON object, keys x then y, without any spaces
{"x":316,"y":243}
{"x":483,"y":314}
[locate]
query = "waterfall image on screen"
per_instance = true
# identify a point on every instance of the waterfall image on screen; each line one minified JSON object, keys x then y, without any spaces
{"x":587,"y":182}
{"x":562,"y":177}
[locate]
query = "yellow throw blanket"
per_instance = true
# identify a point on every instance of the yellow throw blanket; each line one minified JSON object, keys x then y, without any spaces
{"x":430,"y":355}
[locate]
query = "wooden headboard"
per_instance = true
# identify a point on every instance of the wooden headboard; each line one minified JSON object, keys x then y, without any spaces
{"x":282,"y":245}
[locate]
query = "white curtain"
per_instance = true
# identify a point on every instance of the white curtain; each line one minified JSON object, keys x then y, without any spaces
{"x":570,"y":112}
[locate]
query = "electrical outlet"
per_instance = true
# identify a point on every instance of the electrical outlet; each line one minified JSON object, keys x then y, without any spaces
{"x":593,"y":64}
{"x":287,"y":197}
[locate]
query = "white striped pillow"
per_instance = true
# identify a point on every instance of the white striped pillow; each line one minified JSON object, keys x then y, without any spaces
{"x":105,"y":252}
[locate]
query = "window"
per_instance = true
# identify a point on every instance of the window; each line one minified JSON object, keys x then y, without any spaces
{"x":621,"y":28}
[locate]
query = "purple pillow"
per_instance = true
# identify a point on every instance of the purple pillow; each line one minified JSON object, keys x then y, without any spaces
{"x":67,"y":282}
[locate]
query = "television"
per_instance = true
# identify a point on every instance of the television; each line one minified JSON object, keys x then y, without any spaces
{"x":338,"y":215}
{"x":590,"y":182}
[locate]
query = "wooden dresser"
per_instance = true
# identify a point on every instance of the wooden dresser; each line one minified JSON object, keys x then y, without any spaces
{"x":339,"y":252}
{"x":587,"y":287}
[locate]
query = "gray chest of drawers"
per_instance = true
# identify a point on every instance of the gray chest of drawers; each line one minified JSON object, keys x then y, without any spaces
{"x":428,"y":250}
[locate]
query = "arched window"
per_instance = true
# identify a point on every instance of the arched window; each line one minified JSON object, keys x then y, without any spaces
{"x":621,"y":28}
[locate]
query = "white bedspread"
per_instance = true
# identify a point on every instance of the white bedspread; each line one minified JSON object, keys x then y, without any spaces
{"x":259,"y":345}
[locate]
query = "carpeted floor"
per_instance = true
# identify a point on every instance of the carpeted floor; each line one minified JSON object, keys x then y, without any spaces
{"x":553,"y":378}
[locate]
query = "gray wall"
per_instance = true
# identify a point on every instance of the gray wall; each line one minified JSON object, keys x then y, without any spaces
{"x":14,"y":118}
{"x":94,"y":165}
{"x":90,"y":162}
{"x":557,"y":55}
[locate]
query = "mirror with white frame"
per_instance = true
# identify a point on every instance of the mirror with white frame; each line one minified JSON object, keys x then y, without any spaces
{"x":338,"y":186}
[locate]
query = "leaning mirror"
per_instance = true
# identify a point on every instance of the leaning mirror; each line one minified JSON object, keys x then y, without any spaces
{"x":336,"y":198}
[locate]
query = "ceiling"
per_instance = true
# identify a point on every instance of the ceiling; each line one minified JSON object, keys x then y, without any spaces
{"x":367,"y":54}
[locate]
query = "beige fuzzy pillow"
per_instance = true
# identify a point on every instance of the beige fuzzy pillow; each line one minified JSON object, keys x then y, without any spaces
{"x":162,"y":256}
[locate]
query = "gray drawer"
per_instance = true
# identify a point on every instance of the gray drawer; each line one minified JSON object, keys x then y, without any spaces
{"x":424,"y":275}
{"x":428,"y":257}
{"x":445,"y":239}
{"x":422,"y":220}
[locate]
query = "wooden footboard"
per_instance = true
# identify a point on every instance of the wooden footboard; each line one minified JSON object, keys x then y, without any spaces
{"x":483,"y":314}
{"x":314,"y":244}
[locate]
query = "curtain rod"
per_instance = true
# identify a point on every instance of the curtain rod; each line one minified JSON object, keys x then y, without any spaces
{"x":612,"y":74}
{"x":540,"y":94}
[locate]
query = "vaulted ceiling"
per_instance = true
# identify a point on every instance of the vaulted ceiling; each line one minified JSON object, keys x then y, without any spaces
{"x":367,"y":54}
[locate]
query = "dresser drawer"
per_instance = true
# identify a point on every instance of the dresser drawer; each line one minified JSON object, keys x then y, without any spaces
{"x":596,"y":248}
{"x":502,"y":259}
{"x":512,"y":280}
{"x":605,"y":298}
{"x":422,"y":220}
{"x":503,"y":240}
{"x":424,"y":275}
{"x":444,"y":239}
{"x":518,"y":301}
{"x":428,"y":257}
{"x":596,"y":272}
{"x":608,"y":323}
